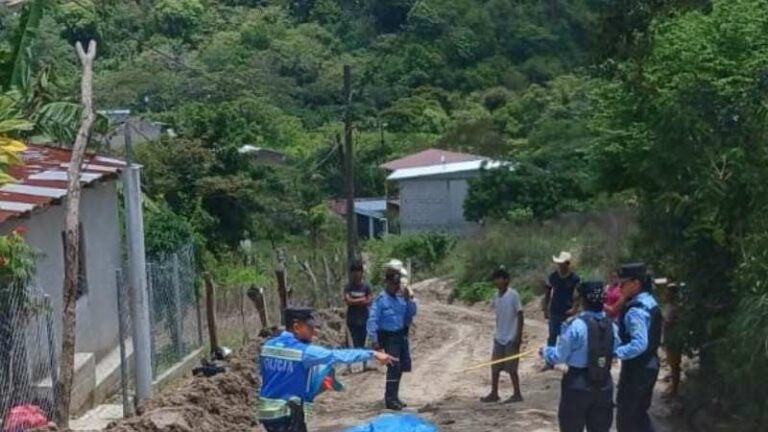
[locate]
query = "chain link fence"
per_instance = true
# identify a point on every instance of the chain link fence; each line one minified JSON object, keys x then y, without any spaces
{"x":28,"y":351}
{"x":175,"y":309}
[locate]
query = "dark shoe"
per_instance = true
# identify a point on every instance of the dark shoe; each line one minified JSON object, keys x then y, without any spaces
{"x":394,"y":406}
{"x":405,"y":405}
{"x":514,"y":399}
{"x":490,"y":398}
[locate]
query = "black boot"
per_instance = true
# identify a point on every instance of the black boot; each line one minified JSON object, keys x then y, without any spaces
{"x":391,"y":399}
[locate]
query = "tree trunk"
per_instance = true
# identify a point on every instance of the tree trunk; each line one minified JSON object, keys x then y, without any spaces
{"x":71,"y":253}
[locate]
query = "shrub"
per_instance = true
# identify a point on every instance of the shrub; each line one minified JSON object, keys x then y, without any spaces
{"x":426,"y":252}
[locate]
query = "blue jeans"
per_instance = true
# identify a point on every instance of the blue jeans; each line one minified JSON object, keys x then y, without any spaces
{"x":555,"y":324}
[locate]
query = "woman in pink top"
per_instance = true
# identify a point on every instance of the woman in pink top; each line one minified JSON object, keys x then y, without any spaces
{"x":613,"y":302}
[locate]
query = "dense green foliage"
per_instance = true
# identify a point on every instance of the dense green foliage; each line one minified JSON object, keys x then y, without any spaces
{"x":425,"y":251}
{"x":662,"y":102}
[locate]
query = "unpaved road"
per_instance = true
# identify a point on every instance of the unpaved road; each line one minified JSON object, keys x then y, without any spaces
{"x":447,"y":339}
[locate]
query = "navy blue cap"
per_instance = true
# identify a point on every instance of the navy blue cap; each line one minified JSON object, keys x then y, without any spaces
{"x":637,"y":271}
{"x":592,"y":292}
{"x":305,"y":315}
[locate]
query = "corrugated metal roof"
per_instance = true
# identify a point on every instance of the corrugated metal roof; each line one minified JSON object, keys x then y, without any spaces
{"x":374,"y":207}
{"x":430,"y":157}
{"x":41,"y":180}
{"x":443,"y":169}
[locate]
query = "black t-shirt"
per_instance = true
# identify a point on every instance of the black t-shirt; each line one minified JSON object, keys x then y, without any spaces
{"x":358,"y":314}
{"x":562,"y":292}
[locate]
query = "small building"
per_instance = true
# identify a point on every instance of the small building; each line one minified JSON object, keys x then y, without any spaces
{"x":371,"y":216}
{"x":432,"y":197}
{"x":35,"y":202}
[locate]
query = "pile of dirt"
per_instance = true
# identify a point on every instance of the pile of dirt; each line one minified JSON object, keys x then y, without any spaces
{"x":224,"y":402}
{"x":332,"y":329}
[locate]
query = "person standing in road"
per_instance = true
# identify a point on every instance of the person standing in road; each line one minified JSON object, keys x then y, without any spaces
{"x":561,"y":287}
{"x":358,"y":297}
{"x":587,"y":346}
{"x":287,"y":363}
{"x":508,"y":336}
{"x":391,"y":312}
{"x":640,"y":328}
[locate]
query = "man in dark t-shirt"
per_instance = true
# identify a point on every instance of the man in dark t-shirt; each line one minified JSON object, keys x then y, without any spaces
{"x":561,"y":286}
{"x":358,"y":297}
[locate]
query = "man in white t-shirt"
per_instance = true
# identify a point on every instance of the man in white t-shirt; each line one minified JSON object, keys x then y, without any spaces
{"x":508,"y":336}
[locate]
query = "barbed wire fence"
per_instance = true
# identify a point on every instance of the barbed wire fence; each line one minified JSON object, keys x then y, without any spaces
{"x":28,"y":351}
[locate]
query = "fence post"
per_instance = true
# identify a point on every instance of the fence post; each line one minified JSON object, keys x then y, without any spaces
{"x":199,"y":311}
{"x":210,"y":305}
{"x":152,"y":319}
{"x":121,"y":333}
{"x":177,"y":307}
{"x":52,"y":350}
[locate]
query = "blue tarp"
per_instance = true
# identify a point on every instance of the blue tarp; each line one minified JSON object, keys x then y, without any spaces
{"x":395,"y":423}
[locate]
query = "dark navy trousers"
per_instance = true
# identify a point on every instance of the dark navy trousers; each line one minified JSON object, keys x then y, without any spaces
{"x":584,"y":406}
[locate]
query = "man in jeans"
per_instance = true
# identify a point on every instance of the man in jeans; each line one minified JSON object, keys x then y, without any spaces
{"x":358,"y":297}
{"x":508,"y":336}
{"x":561,"y":286}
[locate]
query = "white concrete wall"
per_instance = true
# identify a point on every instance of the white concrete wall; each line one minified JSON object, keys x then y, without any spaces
{"x":433,"y":204}
{"x":97,"y":330}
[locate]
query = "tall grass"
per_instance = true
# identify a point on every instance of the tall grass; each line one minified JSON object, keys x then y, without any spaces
{"x":527,"y":250}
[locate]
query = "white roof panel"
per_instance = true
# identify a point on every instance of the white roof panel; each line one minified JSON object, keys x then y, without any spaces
{"x":443,"y":169}
{"x":34,"y":190}
{"x":62,"y":176}
{"x":15,"y":206}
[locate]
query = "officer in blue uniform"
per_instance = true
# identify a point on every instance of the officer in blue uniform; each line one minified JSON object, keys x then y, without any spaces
{"x":586,"y":345}
{"x":289,"y":363}
{"x":640,"y":332}
{"x":391,"y":312}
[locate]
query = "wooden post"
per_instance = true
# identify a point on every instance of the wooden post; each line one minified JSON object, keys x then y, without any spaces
{"x":260,"y":303}
{"x":71,"y":252}
{"x":282,"y":291}
{"x":349,"y":175}
{"x":210,"y":306}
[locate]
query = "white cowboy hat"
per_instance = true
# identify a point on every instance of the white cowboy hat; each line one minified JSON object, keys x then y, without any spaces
{"x":397,"y":265}
{"x":564,"y":257}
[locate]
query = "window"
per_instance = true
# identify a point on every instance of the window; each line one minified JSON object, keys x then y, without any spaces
{"x":82,"y":274}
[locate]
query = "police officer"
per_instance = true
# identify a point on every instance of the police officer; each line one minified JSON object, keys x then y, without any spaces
{"x":640,"y":331}
{"x":288,"y":362}
{"x":392,"y":311}
{"x":586,"y":345}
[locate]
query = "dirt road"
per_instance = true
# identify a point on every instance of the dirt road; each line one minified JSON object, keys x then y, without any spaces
{"x":447,"y":339}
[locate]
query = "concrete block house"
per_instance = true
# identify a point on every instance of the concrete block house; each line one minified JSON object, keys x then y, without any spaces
{"x":34,"y":203}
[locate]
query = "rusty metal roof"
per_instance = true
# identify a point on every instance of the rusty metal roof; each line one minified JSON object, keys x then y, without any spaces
{"x":430,"y":157}
{"x":41,"y":180}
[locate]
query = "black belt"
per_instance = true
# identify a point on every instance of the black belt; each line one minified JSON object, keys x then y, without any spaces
{"x":577,"y":369}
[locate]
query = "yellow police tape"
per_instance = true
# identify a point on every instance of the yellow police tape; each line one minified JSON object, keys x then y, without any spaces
{"x":493,"y":362}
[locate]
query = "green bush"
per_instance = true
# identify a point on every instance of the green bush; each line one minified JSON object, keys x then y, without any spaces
{"x":426,"y":252}
{"x":526,"y":251}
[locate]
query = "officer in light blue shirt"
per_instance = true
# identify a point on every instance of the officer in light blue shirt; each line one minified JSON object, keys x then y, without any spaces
{"x":586,"y":345}
{"x":391,"y":312}
{"x":289,"y":366}
{"x":640,"y":327}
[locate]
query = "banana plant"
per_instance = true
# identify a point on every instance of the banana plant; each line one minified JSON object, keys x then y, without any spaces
{"x":12,"y":125}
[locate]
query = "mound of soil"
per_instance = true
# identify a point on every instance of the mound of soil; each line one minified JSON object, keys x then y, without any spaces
{"x":224,"y":402}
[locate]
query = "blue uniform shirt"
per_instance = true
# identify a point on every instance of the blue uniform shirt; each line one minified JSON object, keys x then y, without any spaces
{"x":637,"y":321}
{"x":572,"y":343}
{"x":389,"y":313}
{"x":288,"y":368}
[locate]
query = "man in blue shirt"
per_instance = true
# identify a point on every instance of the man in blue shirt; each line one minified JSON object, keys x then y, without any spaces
{"x":586,"y":345}
{"x":561,"y":287}
{"x":290,"y":365}
{"x":392,"y":311}
{"x":640,"y":332}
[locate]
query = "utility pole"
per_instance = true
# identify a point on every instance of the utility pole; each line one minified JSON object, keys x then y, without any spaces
{"x":137,"y":272}
{"x":349,"y":175}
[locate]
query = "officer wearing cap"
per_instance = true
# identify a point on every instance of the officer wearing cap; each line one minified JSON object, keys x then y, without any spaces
{"x":392,"y":311}
{"x":288,"y":362}
{"x":640,"y":327}
{"x":586,"y":345}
